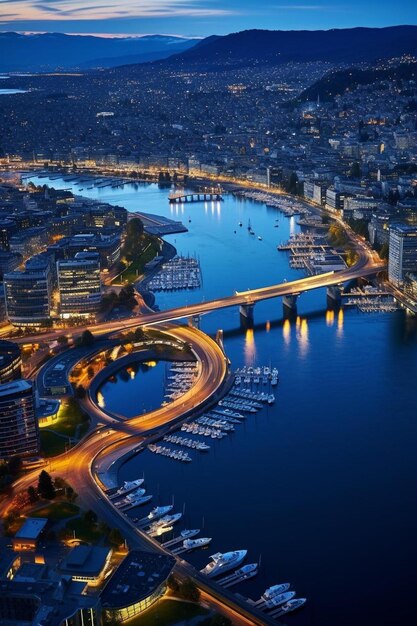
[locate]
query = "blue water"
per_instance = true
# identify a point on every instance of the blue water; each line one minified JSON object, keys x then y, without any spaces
{"x":323,"y":484}
{"x":127,"y":391}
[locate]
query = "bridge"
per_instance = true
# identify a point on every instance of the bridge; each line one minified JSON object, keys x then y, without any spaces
{"x":246,"y":300}
{"x":199,"y":196}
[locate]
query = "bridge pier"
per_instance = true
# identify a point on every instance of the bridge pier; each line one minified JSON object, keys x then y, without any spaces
{"x":289,"y":305}
{"x":334,"y":296}
{"x":246,"y":314}
{"x":194,"y":321}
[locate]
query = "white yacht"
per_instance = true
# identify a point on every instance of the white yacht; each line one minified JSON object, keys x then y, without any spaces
{"x":192,"y":544}
{"x":282,"y":598}
{"x":159,"y":511}
{"x":223,"y":562}
{"x":275,"y":590}
{"x":128,"y":485}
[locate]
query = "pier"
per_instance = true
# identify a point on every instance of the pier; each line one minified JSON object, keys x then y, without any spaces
{"x":199,"y":196}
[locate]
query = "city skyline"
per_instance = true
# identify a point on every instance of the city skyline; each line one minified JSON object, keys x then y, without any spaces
{"x":196,"y":18}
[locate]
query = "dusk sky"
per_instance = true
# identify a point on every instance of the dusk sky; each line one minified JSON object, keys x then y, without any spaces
{"x":198,"y":17}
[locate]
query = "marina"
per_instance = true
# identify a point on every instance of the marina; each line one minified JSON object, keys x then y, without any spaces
{"x":179,"y":273}
{"x":319,"y":554}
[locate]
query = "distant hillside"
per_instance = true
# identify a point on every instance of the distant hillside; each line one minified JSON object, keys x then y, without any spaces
{"x":336,"y":83}
{"x":51,"y":51}
{"x":254,"y":47}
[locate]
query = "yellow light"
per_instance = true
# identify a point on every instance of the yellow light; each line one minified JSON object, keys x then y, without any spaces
{"x":250,"y":348}
{"x":340,"y":319}
{"x":268,"y":326}
{"x":330,"y":317}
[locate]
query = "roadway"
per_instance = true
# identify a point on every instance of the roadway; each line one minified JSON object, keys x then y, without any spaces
{"x":367,"y":265}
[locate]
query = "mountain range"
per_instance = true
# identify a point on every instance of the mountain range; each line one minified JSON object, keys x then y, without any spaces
{"x":255,"y":47}
{"x":54,"y":51}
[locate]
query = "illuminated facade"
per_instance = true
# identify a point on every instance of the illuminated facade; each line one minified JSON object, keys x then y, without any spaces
{"x":402,"y":252}
{"x":28,"y":297}
{"x":10,"y":362}
{"x":138,"y":582}
{"x":79,"y":285}
{"x":18,"y":424}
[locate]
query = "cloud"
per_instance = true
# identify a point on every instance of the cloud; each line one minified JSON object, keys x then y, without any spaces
{"x":27,"y":10}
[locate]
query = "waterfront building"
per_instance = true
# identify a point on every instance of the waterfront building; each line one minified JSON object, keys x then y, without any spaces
{"x":10,"y":362}
{"x":88,"y":564}
{"x":79,"y":285}
{"x":142,"y":576}
{"x":18,"y":424}
{"x":28,"y":296}
{"x":410,"y":285}
{"x":402,"y":252}
{"x":378,"y":228}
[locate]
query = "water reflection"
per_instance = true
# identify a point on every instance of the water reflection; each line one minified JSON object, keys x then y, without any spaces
{"x":286,"y":332}
{"x":340,"y":320}
{"x":250,"y":347}
{"x":329,"y":317}
{"x":302,"y":336}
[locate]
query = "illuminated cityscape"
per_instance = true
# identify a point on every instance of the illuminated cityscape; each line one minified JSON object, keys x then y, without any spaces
{"x":208,"y":301}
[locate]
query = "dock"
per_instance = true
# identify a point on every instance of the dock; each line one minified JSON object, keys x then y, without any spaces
{"x":174,"y":542}
{"x":237,"y":577}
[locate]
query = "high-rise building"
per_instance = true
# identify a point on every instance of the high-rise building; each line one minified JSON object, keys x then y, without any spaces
{"x":10,"y":362}
{"x":79,"y":285}
{"x":402,"y":252}
{"x":18,"y":425}
{"x":28,"y":297}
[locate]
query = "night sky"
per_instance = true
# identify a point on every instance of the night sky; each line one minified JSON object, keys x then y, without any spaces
{"x":198,"y":17}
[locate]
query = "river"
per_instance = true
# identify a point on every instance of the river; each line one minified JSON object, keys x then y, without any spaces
{"x":322,"y":485}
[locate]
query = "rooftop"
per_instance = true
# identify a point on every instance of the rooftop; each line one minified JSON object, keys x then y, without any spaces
{"x":31,"y":528}
{"x":17,"y":386}
{"x":136,"y":578}
{"x":85,"y":560}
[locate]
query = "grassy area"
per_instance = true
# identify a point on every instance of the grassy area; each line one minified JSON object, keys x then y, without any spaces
{"x":169,"y":613}
{"x":83,"y":530}
{"x":69,"y":417}
{"x":56,"y":511}
{"x":52,"y":444}
{"x":137,"y":267}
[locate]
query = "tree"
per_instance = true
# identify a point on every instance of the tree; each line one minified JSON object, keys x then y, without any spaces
{"x":33,"y":496}
{"x":90,"y":372}
{"x":46,"y":487}
{"x":15,"y":465}
{"x":115,"y":537}
{"x":173,"y":584}
{"x":189,"y":590}
{"x":127,"y":297}
{"x":80,"y":391}
{"x":90,"y":517}
{"x":111,"y":619}
{"x":87,"y":338}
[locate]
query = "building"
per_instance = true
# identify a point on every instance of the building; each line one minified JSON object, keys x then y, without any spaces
{"x":9,"y":261}
{"x":79,"y":285}
{"x":378,"y":228}
{"x":28,"y":296}
{"x":410,"y":286}
{"x":402,"y":252}
{"x":18,"y":425}
{"x":29,"y":533}
{"x":87,"y":564}
{"x":138,"y":582}
{"x":10,"y":362}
